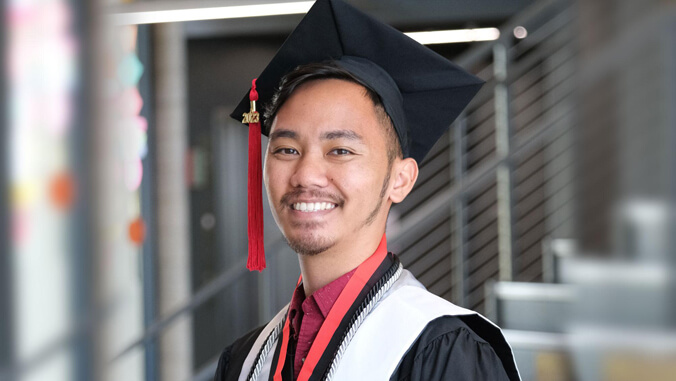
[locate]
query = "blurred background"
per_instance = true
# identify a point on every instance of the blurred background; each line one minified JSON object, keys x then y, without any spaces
{"x":548,"y":206}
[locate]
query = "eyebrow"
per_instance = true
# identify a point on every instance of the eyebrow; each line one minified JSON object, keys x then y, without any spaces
{"x":277,"y":134}
{"x":330,"y":135}
{"x":340,"y":134}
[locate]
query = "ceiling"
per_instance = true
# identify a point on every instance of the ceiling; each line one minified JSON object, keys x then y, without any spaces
{"x":406,"y":15}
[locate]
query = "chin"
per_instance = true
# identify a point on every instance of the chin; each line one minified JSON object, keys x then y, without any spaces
{"x":309,"y":244}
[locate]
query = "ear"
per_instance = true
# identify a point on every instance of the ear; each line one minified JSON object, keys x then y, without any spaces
{"x":405,"y":176}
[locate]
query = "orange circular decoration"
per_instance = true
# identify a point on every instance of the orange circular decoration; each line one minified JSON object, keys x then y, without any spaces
{"x":137,"y":231}
{"x":62,"y":190}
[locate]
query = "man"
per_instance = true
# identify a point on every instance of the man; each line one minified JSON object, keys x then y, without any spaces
{"x":358,"y":106}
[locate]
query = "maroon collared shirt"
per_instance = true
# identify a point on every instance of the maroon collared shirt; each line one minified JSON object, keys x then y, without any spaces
{"x":307,"y":316}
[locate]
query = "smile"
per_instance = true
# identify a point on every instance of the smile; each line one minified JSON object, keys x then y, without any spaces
{"x":309,"y":207}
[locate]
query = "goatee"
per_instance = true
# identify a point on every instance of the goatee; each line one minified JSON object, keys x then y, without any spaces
{"x":310,"y":245}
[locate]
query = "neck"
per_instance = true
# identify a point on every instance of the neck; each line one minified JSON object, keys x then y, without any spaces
{"x":322,"y":269}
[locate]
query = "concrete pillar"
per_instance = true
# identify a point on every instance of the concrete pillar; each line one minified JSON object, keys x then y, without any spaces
{"x":173,"y":225}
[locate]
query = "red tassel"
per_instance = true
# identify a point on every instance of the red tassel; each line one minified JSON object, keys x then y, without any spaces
{"x":256,"y":260}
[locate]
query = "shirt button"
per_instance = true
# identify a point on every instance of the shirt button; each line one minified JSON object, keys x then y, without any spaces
{"x":303,"y":359}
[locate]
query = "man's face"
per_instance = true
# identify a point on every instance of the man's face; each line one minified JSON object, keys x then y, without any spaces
{"x":326,"y":167}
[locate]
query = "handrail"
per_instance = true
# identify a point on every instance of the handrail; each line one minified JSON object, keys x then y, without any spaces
{"x":413,"y":222}
{"x":201,"y":296}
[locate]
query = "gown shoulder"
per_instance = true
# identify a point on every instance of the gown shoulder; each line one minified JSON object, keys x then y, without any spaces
{"x":232,"y":358}
{"x":448,"y":349}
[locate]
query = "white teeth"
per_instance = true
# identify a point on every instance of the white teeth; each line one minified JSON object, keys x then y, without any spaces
{"x":313,"y":206}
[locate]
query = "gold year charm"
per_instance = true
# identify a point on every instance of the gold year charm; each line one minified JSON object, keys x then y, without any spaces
{"x":251,"y":116}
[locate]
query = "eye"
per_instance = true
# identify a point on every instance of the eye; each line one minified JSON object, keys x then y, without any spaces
{"x":340,"y":152}
{"x":285,"y":151}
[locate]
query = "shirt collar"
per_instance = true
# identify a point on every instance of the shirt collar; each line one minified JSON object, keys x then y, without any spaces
{"x":326,"y":296}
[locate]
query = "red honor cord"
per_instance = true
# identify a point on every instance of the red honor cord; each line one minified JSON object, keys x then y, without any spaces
{"x":347,"y":297}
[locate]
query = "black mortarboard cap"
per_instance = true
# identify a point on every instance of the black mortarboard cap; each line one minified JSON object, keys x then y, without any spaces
{"x":421,"y":91}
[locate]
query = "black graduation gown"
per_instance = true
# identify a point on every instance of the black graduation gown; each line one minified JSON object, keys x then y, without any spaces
{"x":447,"y":349}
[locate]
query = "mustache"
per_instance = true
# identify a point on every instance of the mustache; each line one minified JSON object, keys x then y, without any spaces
{"x":296,"y":194}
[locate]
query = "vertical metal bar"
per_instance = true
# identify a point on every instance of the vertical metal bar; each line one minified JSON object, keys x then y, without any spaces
{"x":491,"y":304}
{"x":102,"y":190}
{"x":460,"y":245}
{"x":148,"y":201}
{"x":504,"y":170}
{"x":6,"y":278}
{"x":670,"y":54}
{"x":548,"y":265}
{"x":81,"y":261}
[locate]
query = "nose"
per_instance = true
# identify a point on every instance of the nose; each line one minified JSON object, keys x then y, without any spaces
{"x":309,"y":172}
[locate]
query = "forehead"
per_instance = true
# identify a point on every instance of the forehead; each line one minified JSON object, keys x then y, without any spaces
{"x":318,"y":105}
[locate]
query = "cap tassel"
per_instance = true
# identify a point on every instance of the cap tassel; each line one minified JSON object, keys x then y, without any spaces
{"x":256,"y":260}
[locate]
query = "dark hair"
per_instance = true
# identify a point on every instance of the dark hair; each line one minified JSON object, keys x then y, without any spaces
{"x":330,"y":70}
